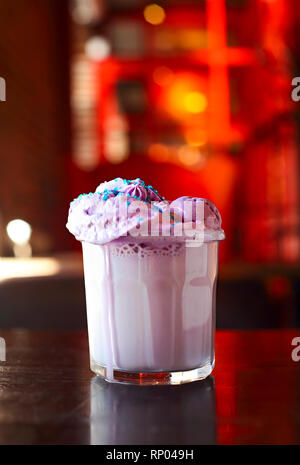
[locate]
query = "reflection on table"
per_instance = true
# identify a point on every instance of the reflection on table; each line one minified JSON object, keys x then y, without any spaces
{"x":123,"y":414}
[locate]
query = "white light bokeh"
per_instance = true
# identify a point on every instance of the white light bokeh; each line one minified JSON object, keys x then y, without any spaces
{"x":97,"y":48}
{"x":19,"y":231}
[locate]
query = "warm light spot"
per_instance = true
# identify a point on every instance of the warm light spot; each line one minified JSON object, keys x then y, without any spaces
{"x":158,"y":152}
{"x":186,"y":91}
{"x":189,"y":156}
{"x":116,"y":149}
{"x":162,"y":76}
{"x":195,"y":102}
{"x":195,"y":137}
{"x":11,"y":268}
{"x":19,"y":231}
{"x":154,"y":14}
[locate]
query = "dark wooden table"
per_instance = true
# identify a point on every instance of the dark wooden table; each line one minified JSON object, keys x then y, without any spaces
{"x":49,"y":396}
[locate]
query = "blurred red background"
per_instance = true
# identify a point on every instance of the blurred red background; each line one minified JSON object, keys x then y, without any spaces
{"x":195,"y":98}
{"x":192,"y":96}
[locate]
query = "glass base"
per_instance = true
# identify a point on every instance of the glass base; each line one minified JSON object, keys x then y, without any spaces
{"x":153,"y":378}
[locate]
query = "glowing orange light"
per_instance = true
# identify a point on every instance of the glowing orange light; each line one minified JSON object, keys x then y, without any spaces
{"x":195,"y":102}
{"x":158,"y":152}
{"x":189,"y":156}
{"x":184,"y":96}
{"x":154,"y":14}
{"x":195,"y":137}
{"x":162,"y":76}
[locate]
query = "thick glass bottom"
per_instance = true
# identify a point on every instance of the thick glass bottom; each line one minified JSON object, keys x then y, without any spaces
{"x":153,"y":378}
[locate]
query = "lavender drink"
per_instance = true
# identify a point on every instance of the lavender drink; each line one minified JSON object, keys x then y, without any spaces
{"x":150,"y":284}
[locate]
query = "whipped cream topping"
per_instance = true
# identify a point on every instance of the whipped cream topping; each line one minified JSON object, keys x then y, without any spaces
{"x":124,"y":207}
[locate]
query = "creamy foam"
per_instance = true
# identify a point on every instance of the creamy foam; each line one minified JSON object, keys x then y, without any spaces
{"x":146,"y":249}
{"x":123,"y":207}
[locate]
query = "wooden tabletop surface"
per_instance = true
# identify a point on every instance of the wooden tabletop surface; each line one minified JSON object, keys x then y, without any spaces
{"x":49,"y":396}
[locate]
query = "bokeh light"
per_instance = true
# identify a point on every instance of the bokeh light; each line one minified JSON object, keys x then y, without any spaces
{"x":195,"y":102}
{"x":154,"y":14}
{"x":19,"y":231}
{"x":159,"y":153}
{"x":97,"y":48}
{"x":189,"y":156}
{"x":116,"y":146}
{"x":184,"y":96}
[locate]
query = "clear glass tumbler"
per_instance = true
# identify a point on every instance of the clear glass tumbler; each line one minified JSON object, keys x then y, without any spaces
{"x":151,"y":309}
